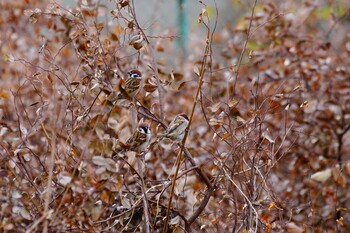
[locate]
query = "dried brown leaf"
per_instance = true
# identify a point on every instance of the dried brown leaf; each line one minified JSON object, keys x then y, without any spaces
{"x":291,"y":227}
{"x":215,"y":107}
{"x":182,"y":85}
{"x":322,"y":176}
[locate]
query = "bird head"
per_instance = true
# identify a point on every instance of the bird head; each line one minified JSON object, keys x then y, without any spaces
{"x":143,"y":128}
{"x":135,"y":74}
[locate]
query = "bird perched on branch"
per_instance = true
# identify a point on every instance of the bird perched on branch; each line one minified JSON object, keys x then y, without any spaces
{"x":132,"y":84}
{"x":128,"y":88}
{"x":139,"y":141}
{"x":177,"y":128}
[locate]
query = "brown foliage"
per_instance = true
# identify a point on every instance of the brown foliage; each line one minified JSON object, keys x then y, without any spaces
{"x":268,"y":147}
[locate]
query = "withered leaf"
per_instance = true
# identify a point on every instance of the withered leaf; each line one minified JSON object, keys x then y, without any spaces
{"x":215,"y":107}
{"x":148,"y":87}
{"x":176,"y":76}
{"x":182,"y":85}
{"x":322,"y":176}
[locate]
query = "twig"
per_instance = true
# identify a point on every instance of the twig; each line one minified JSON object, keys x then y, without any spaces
{"x":203,"y":204}
{"x":153,"y":62}
{"x":245,"y":197}
{"x":179,"y":156}
{"x":188,"y":155}
{"x":145,"y":201}
{"x":37,"y":222}
{"x":67,"y":188}
{"x":243,"y":50}
{"x":49,"y":183}
{"x":199,"y":210}
{"x":197,"y":168}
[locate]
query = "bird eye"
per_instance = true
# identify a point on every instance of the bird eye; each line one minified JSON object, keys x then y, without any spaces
{"x":143,"y":129}
{"x":133,"y":74}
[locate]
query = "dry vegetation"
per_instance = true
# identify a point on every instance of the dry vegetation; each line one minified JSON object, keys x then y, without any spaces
{"x":268,"y":145}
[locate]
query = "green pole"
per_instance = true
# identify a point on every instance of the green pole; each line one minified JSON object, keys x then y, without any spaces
{"x":183,"y":26}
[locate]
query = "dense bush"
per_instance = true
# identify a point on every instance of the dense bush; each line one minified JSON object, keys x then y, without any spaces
{"x":268,"y":99}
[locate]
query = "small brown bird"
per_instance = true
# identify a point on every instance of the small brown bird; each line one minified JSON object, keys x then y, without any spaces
{"x":177,"y":128}
{"x":139,"y":141}
{"x":129,"y":88}
{"x":133,"y":83}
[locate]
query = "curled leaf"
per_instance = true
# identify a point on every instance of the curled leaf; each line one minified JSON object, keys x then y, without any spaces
{"x":322,"y":176}
{"x":136,"y":41}
{"x":124,"y":3}
{"x":216,"y":123}
{"x":232,"y":103}
{"x":291,"y":227}
{"x":115,"y":13}
{"x":159,"y":48}
{"x":182,"y":85}
{"x":64,"y":179}
{"x":150,"y":85}
{"x":176,"y":76}
{"x":215,"y":107}
{"x":305,"y":104}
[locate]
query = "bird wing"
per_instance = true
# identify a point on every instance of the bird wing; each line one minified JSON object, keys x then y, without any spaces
{"x":121,"y":147}
{"x":172,"y":127}
{"x":122,"y":92}
{"x":132,"y":84}
{"x":133,"y":143}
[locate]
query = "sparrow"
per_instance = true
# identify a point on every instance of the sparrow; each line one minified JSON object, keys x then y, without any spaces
{"x":133,"y":83}
{"x":130,"y":87}
{"x":139,"y":141}
{"x":177,"y":128}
